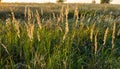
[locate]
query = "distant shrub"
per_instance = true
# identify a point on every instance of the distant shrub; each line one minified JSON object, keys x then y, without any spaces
{"x":105,"y":1}
{"x":60,"y":1}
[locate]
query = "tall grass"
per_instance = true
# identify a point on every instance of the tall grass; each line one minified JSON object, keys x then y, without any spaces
{"x":85,"y":41}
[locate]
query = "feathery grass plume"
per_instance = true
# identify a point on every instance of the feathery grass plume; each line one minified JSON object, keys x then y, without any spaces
{"x":66,"y":23}
{"x":30,"y":26}
{"x":113,"y":35}
{"x":96,"y":47}
{"x":13,"y":17}
{"x":30,"y":30}
{"x":58,"y":26}
{"x":76,"y":12}
{"x":16,"y":24}
{"x":118,"y":33}
{"x":92,"y":31}
{"x":38,"y":19}
{"x":105,"y":35}
{"x":62,"y":14}
{"x":29,"y":15}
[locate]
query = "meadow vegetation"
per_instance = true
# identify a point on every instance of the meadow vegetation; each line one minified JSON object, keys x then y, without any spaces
{"x":60,"y":37}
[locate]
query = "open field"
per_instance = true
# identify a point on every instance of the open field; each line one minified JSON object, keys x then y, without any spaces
{"x":59,"y":36}
{"x":49,"y":8}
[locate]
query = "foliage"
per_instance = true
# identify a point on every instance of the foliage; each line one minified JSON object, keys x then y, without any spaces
{"x":105,"y":1}
{"x":60,"y":1}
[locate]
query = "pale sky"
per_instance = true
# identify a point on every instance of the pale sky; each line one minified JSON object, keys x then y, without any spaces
{"x":70,"y":1}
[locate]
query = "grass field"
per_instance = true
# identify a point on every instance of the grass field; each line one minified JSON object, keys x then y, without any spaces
{"x":59,"y":36}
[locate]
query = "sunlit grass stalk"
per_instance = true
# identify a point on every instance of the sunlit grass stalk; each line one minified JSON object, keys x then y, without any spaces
{"x":38,"y":19}
{"x":105,"y":35}
{"x":76,"y":12}
{"x":13,"y":17}
{"x":58,"y":24}
{"x":92,"y":31}
{"x":30,"y":30}
{"x":29,"y":26}
{"x":62,"y":14}
{"x":113,"y":35}
{"x":96,"y":43}
{"x":16,"y":24}
{"x":29,"y":15}
{"x":5,"y":49}
{"x":66,"y":23}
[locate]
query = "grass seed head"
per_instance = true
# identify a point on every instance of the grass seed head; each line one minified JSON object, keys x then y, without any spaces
{"x":38,"y":19}
{"x":16,"y":24}
{"x":66,"y":23}
{"x":30,"y":30}
{"x":92,"y":31}
{"x":105,"y":35}
{"x":96,"y":46}
{"x":76,"y":12}
{"x":29,"y":15}
{"x":113,"y":35}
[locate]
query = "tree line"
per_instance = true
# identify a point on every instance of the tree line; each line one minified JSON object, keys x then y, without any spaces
{"x":101,"y":1}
